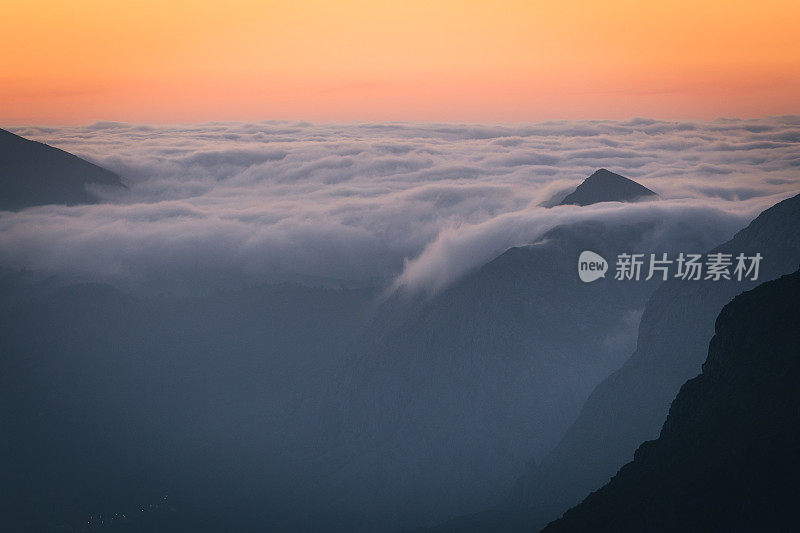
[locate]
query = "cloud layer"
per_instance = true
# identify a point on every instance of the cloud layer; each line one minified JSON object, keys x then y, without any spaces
{"x":414,"y":205}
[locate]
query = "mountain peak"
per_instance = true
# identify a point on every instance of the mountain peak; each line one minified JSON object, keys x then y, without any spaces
{"x":606,"y":186}
{"x":34,"y":173}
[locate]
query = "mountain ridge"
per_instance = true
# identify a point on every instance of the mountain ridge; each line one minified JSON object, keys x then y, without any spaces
{"x":725,"y":459}
{"x":33,"y":173}
{"x":628,"y":407}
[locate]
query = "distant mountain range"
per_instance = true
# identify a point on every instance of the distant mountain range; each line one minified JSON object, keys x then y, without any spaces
{"x":33,"y":173}
{"x":727,"y":457}
{"x":497,"y":365}
{"x":442,"y":398}
{"x":295,"y":408}
{"x":500,"y":363}
{"x":629,"y":406}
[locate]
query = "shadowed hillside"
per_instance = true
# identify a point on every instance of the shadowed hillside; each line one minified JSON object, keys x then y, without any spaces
{"x":727,"y":457}
{"x":629,"y":406}
{"x":33,"y":173}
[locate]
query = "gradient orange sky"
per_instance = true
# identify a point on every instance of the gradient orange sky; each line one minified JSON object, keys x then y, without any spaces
{"x":498,"y":61}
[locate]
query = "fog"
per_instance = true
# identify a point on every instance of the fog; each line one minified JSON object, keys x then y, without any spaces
{"x":433,"y":338}
{"x":413,"y":205}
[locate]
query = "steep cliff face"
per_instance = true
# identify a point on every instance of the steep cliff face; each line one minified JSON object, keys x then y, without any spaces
{"x":630,"y":405}
{"x":727,"y":457}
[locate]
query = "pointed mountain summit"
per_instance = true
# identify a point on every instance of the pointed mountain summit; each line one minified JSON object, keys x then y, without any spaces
{"x":606,"y":186}
{"x":33,"y":173}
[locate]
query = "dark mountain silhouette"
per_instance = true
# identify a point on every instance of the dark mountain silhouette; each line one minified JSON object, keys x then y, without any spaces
{"x":271,"y":408}
{"x":606,"y":186}
{"x":727,"y":457}
{"x":33,"y":173}
{"x":627,"y":407}
{"x":456,"y":395}
{"x":278,"y":408}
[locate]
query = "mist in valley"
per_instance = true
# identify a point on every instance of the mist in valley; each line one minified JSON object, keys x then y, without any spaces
{"x":286,"y":326}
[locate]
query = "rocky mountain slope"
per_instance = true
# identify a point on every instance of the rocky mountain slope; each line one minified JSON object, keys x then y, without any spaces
{"x":628,"y":406}
{"x":727,"y":457}
{"x":33,"y":173}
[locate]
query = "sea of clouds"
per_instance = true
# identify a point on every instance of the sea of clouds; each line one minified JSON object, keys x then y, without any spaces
{"x":391,"y":204}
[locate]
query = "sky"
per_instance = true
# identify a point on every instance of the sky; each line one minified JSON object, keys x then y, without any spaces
{"x":74,"y":62}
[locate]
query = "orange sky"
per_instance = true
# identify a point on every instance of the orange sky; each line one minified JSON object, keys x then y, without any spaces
{"x":76,"y":61}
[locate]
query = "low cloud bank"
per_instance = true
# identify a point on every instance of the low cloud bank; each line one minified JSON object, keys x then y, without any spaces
{"x":405,"y":205}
